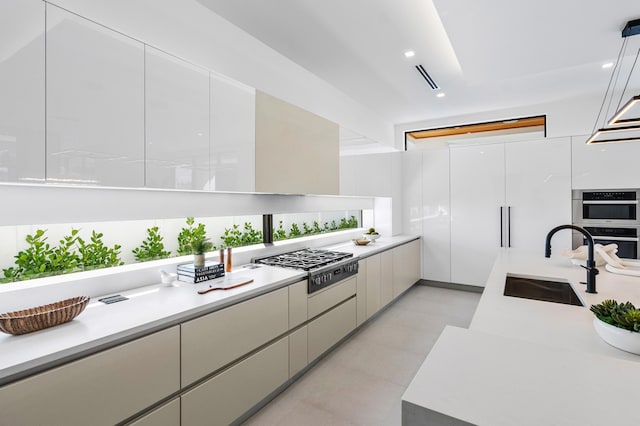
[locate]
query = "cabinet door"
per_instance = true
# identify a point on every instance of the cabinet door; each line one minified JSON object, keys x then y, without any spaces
{"x":298,"y":346}
{"x":176,"y":122}
{"x":233,"y":134}
{"x":225,"y":397}
{"x":477,"y":196}
{"x":95,"y":103}
{"x":325,"y":299}
{"x":167,"y":415}
{"x":213,"y":341}
{"x":327,"y":330}
{"x":102,"y":389}
{"x":386,"y":277}
{"x":361,"y":292}
{"x":538,"y":185}
{"x":22,"y":87}
{"x":406,"y":266}
{"x":604,"y":166}
{"x":436,"y":216}
{"x":373,"y":285}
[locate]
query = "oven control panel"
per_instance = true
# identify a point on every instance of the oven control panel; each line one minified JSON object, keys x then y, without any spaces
{"x":331,"y":274}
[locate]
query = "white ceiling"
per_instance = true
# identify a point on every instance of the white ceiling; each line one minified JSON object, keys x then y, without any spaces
{"x":485,"y":55}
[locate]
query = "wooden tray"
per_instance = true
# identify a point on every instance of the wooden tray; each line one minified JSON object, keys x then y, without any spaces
{"x":33,"y":319}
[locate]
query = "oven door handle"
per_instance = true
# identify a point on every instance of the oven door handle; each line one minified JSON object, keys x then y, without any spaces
{"x":604,"y":237}
{"x":620,"y":202}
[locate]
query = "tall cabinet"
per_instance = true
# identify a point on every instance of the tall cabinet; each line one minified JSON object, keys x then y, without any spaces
{"x":506,"y":195}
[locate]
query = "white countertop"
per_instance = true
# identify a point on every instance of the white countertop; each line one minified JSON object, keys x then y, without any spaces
{"x":148,"y":309}
{"x":532,"y":362}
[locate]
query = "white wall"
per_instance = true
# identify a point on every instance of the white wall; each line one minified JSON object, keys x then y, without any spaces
{"x":189,"y":30}
{"x":566,"y":117}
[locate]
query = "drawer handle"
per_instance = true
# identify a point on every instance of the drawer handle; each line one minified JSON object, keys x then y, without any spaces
{"x":207,"y":290}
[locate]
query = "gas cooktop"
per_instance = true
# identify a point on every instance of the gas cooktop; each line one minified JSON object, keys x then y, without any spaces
{"x":305,"y":259}
{"x":324,"y":267}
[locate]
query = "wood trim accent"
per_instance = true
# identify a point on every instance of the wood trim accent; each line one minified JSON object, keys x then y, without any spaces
{"x":515,"y":123}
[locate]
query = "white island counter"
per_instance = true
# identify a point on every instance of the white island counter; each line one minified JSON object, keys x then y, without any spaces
{"x":529,"y":362}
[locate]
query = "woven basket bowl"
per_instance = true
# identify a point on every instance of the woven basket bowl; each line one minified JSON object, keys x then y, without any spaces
{"x":33,"y":319}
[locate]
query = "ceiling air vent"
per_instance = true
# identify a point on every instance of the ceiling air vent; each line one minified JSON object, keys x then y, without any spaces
{"x":427,"y":77}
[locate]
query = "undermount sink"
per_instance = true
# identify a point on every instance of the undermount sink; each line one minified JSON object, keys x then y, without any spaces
{"x":538,"y":289}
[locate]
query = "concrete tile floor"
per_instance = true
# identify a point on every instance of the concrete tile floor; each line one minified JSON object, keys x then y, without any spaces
{"x":362,"y":381}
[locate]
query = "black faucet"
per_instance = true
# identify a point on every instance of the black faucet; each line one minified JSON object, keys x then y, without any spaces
{"x":592,"y":271}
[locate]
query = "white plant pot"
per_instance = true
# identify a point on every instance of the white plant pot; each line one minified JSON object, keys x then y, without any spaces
{"x":198,"y":260}
{"x":617,"y":337}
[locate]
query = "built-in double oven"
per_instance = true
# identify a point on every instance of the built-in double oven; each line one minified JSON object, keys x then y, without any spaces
{"x":610,"y":216}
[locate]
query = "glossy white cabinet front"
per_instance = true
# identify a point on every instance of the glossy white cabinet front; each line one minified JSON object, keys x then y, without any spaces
{"x":477,"y":195}
{"x":95,"y":103}
{"x":22,"y":78}
{"x":538,"y":191}
{"x":233,"y":130}
{"x":604,"y":166}
{"x":436,"y":215}
{"x":176,"y":122}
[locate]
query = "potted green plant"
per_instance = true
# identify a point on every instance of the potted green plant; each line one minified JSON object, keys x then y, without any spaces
{"x":199,"y":247}
{"x":618,"y":324}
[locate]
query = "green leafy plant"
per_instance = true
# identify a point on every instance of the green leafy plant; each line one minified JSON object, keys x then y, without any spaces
{"x":189,"y":235}
{"x":279,"y":234}
{"x":152,"y":247}
{"x":316,"y":227}
{"x":95,"y":254}
{"x":33,"y":261}
{"x":622,"y":315}
{"x":64,"y":257}
{"x":295,"y":231}
{"x":234,"y":237}
{"x":201,"y":246}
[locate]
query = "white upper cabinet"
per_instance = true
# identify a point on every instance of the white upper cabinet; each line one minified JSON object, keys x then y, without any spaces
{"x":22,"y":90}
{"x":95,"y":103}
{"x":605,"y":166}
{"x":233,"y":133}
{"x":538,"y":189}
{"x":477,"y":199}
{"x":176,"y":123}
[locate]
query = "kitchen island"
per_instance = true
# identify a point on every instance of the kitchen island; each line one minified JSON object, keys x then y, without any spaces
{"x":529,"y":362}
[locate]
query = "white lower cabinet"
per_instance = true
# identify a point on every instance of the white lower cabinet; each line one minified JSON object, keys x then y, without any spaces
{"x":101,"y":389}
{"x":406,"y":266}
{"x":242,"y":328}
{"x":223,"y":398}
{"x":328,"y":329}
{"x":167,"y":415}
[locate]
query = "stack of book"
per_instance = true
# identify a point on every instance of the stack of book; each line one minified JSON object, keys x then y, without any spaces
{"x":190,"y":273}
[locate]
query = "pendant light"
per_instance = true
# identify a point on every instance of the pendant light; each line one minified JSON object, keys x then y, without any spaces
{"x":624,"y":125}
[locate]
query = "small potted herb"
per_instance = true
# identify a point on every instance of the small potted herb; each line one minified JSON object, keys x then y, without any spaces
{"x":199,"y":247}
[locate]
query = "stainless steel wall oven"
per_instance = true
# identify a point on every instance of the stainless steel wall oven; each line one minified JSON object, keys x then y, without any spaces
{"x":610,"y":216}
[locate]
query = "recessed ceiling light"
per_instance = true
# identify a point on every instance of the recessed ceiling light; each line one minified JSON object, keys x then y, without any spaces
{"x":440,"y":95}
{"x":607,"y":65}
{"x":409,"y":54}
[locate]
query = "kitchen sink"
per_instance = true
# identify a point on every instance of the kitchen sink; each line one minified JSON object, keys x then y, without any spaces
{"x":538,"y":289}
